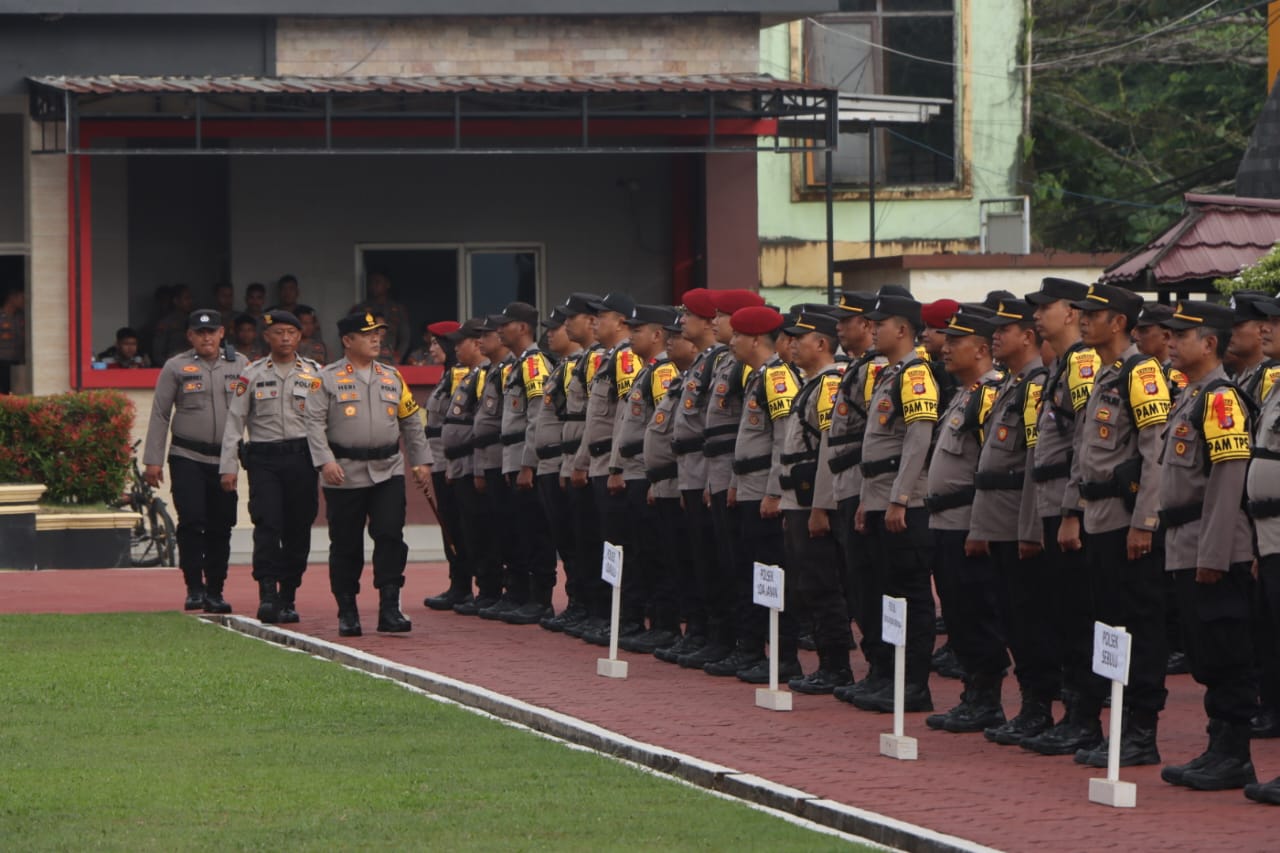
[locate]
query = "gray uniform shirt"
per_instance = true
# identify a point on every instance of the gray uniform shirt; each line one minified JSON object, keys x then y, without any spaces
{"x":724,"y":414}
{"x":352,"y":411}
{"x":612,"y":381}
{"x":455,"y":436}
{"x":806,"y":438}
{"x":1000,"y":514}
{"x":1066,"y":392}
{"x":523,"y":394}
{"x":660,"y":461}
{"x":270,"y":403}
{"x":1264,"y":474}
{"x":546,"y":427}
{"x":634,"y":413}
{"x":900,"y":422}
{"x":577,"y":392}
{"x":1205,"y":461}
{"x":437,"y":409}
{"x":767,"y":400}
{"x":1114,"y":431}
{"x":959,"y":444}
{"x":849,"y":424}
{"x":191,"y":398}
{"x":690,"y":415}
{"x":486,"y":431}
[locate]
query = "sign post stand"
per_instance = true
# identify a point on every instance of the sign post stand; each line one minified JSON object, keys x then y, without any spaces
{"x":769,"y":591}
{"x":1111,"y":648}
{"x":893,"y":630}
{"x":611,"y":573}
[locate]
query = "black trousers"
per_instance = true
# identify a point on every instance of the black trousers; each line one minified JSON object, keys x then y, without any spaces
{"x":853,"y":554}
{"x":969,"y":588}
{"x":762,"y":542}
{"x":1219,"y":640}
{"x":900,"y":567}
{"x":818,"y":570}
{"x":1267,"y":629}
{"x":1129,"y":593}
{"x":206,"y":515}
{"x":284,"y":497}
{"x":450,"y":518}
{"x":696,"y":565}
{"x":722,"y":624}
{"x":382,"y":507}
{"x":586,"y":512}
{"x":560,"y":527}
{"x":1069,"y":611}
{"x":672,"y":567}
{"x":1027,"y":594}
{"x":642,"y":569}
{"x":478,"y":521}
{"x":533,"y":563}
{"x":615,"y":527}
{"x":515,"y":578}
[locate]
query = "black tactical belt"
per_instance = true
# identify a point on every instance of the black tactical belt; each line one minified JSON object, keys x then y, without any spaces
{"x":631,"y":449}
{"x":459,"y":421}
{"x":721,"y":429}
{"x":1046,"y":473}
{"x":600,"y":448}
{"x":842,"y":463}
{"x":1095,"y":490}
{"x":204,"y":448}
{"x":844,"y":438}
{"x":1268,"y":508}
{"x":458,"y":452}
{"x":1180,"y":515}
{"x":749,"y":466}
{"x":551,"y":451}
{"x":880,"y":466}
{"x":364,"y":453}
{"x":570,"y":446}
{"x":480,"y":442}
{"x":573,"y":416}
{"x":720,"y":448}
{"x":435,"y":432}
{"x":662,"y":472}
{"x":1258,"y":453}
{"x":276,"y":448}
{"x":801,"y":456}
{"x":942,"y":503}
{"x":989,"y":481}
{"x":688,"y":445}
{"x":510,"y":438}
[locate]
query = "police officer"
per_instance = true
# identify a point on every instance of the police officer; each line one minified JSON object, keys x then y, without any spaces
{"x":356,"y":417}
{"x":903,"y":413}
{"x":533,"y":567}
{"x":486,"y":448}
{"x":192,"y":395}
{"x":1153,"y":339}
{"x":1117,"y":472}
{"x":965,"y":576}
{"x":1248,"y":365}
{"x":547,"y":441}
{"x":809,"y":504}
{"x":270,"y":401}
{"x":1069,"y":612}
{"x":1209,"y":542}
{"x":649,"y":582}
{"x":443,"y":350}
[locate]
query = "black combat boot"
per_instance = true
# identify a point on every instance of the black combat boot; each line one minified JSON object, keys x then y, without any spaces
{"x":390,"y":619}
{"x":195,"y":598}
{"x":447,"y":599}
{"x":1137,"y":743}
{"x":268,"y":602}
{"x":982,"y":711}
{"x":1173,"y":773}
{"x":1034,"y":717}
{"x":1080,"y":729}
{"x":288,"y":595}
{"x":1230,"y":765}
{"x":213,"y":600}
{"x":348,"y":615}
{"x":833,"y":671}
{"x":1267,"y":792}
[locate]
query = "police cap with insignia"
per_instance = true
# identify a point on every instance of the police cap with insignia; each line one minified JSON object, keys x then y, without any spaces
{"x":810,"y":320}
{"x":698,"y":302}
{"x":756,"y":320}
{"x":554,"y":320}
{"x":1252,"y":305}
{"x":580,"y":303}
{"x":520,"y":312}
{"x":204,"y":318}
{"x":1109,"y":297}
{"x":855,"y":302}
{"x":359,"y":322}
{"x":1010,"y":311}
{"x":493,"y":322}
{"x":731,"y":301}
{"x":1197,"y":314}
{"x":1154,"y":314}
{"x":276,"y":317}
{"x":1053,"y":289}
{"x":895,"y":301}
{"x":473,"y":328}
{"x":618,"y":302}
{"x":970,"y":320}
{"x":658,"y":315}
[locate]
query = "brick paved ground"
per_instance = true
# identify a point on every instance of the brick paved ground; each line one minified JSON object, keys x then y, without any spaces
{"x":961,"y":785}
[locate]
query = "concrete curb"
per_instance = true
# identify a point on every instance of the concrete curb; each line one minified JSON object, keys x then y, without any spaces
{"x":873,"y":827}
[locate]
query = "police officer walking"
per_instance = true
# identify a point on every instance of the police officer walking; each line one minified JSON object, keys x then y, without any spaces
{"x":191,"y":398}
{"x":356,"y":417}
{"x":270,"y":401}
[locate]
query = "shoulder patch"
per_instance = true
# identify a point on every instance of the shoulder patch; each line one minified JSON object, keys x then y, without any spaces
{"x":1148,"y":394}
{"x":1226,"y":434}
{"x":780,"y":389}
{"x":533,"y":373}
{"x":663,"y":376}
{"x":919,"y":394}
{"x":1030,"y":408}
{"x":1269,"y":377}
{"x":826,"y":400}
{"x":1080,"y":371}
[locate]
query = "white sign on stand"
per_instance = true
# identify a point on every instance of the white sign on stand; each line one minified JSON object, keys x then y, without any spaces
{"x":893,"y":630}
{"x":769,"y":590}
{"x":1111,"y":653}
{"x":611,"y":573}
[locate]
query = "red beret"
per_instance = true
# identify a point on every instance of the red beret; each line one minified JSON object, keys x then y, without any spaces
{"x":756,"y":320}
{"x":937,"y":315}
{"x":444,"y":327}
{"x":700,"y":303}
{"x":729,"y":301}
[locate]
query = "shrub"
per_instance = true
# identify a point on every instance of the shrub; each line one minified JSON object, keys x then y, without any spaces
{"x":1263,"y":275}
{"x":76,"y":444}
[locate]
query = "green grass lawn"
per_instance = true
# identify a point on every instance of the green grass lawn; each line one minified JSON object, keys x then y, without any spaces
{"x":159,"y":732}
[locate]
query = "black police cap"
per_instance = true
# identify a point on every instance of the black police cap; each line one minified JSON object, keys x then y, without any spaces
{"x":204,"y":318}
{"x":659,"y":315}
{"x":812,"y":321}
{"x":580,"y":303}
{"x":1109,"y":297}
{"x":276,"y":317}
{"x":1197,"y":314}
{"x":970,"y":320}
{"x":359,"y":322}
{"x":1010,"y":311}
{"x":1053,"y":289}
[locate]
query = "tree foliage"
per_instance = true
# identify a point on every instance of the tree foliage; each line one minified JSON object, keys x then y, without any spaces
{"x":1134,"y":103}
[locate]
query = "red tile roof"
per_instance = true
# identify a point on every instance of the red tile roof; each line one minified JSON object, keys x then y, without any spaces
{"x":1217,"y":236}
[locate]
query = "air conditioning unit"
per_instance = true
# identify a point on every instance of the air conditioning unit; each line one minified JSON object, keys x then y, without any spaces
{"x":1005,"y":225}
